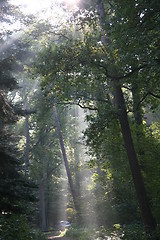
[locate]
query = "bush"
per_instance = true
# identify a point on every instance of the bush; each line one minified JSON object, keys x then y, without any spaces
{"x":15,"y":227}
{"x":135,"y":231}
{"x":127,"y":232}
{"x":79,"y":233}
{"x":37,"y":235}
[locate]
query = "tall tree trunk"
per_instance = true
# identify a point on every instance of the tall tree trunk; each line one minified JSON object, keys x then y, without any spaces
{"x":27,"y":144}
{"x":132,"y":157}
{"x":72,"y":188}
{"x":140,"y":135}
{"x":77,"y":151}
{"x":136,"y":104}
{"x":42,"y":206}
{"x":146,"y":213}
{"x":25,"y":106}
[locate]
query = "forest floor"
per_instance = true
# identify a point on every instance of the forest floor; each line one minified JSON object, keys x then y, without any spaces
{"x":59,"y":238}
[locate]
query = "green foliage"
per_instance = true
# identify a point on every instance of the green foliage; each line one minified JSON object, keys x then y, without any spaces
{"x":36,"y":234}
{"x":14,"y":227}
{"x":110,"y":166}
{"x":17,"y":227}
{"x":15,"y":189}
{"x":81,"y":70}
{"x":152,"y":167}
{"x":137,"y":231}
{"x":99,"y":233}
{"x":80,"y":233}
{"x":134,"y":231}
{"x":117,"y":232}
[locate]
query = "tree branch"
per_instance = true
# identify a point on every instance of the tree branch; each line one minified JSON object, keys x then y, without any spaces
{"x":86,"y":107}
{"x":24,"y":112}
{"x":115,"y":77}
{"x":146,"y":95}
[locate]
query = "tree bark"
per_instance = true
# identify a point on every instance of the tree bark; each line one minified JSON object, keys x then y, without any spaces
{"x":25,"y":106}
{"x":72,"y":188}
{"x":146,"y":213}
{"x":27,"y":144}
{"x":133,"y":161}
{"x":77,"y":151}
{"x":42,"y":206}
{"x":140,"y":135}
{"x":136,"y":106}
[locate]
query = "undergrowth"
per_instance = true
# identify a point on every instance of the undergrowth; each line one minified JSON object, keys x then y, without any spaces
{"x":117,"y":232}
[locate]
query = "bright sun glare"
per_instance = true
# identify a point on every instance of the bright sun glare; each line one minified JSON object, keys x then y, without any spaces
{"x":41,"y":6}
{"x":50,"y":10}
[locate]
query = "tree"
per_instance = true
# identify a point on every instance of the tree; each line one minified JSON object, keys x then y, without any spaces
{"x":17,"y":191}
{"x":135,"y":168}
{"x":74,"y":70}
{"x":45,"y":162}
{"x":72,"y":188}
{"x":12,"y":181}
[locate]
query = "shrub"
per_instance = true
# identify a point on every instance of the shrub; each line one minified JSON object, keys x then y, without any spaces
{"x":133,"y":231}
{"x":36,"y":234}
{"x":78,"y":233}
{"x":81,"y":233}
{"x":14,"y":227}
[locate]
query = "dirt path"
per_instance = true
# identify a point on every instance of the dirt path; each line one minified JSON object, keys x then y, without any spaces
{"x":59,"y":238}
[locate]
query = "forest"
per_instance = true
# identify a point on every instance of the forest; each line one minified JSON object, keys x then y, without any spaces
{"x":80,"y":119}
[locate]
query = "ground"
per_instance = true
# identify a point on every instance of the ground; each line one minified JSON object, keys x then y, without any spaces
{"x":58,"y":235}
{"x":59,"y":238}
